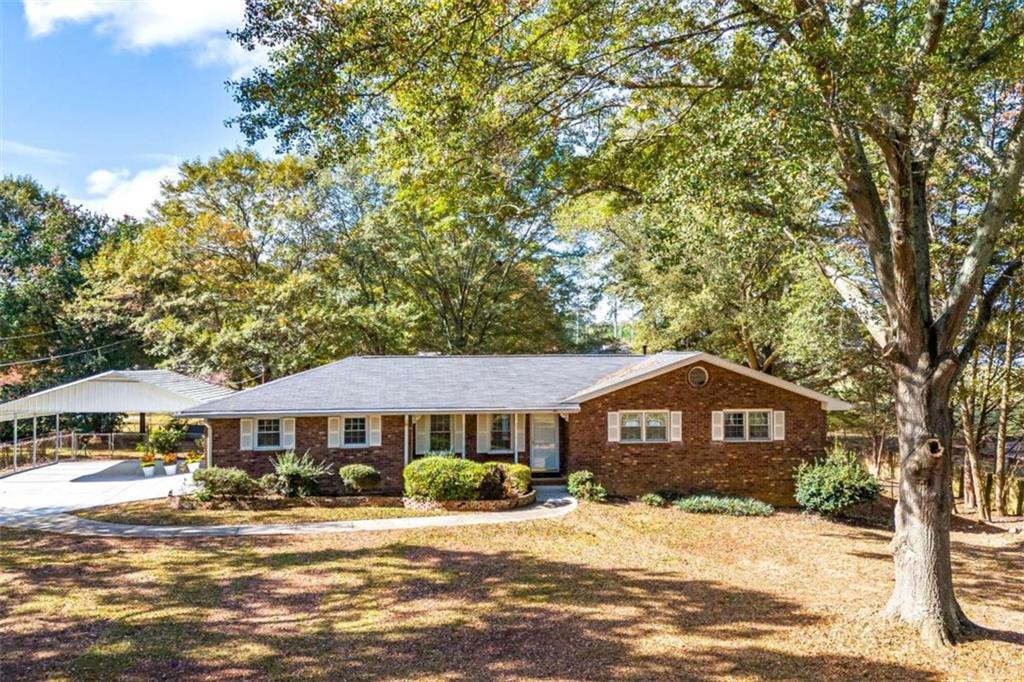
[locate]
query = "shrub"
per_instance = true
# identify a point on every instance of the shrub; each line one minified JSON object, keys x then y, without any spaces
{"x":721,"y":504}
{"x":492,"y":484}
{"x":360,"y":477}
{"x":164,"y":440}
{"x":832,"y":485}
{"x":298,"y":475}
{"x":518,"y":478}
{"x":225,"y":482}
{"x":443,"y":479}
{"x":583,"y":485}
{"x":440,"y":453}
{"x":268,"y":484}
{"x":653,"y":500}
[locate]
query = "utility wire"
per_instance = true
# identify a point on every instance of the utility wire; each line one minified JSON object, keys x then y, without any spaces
{"x":29,"y":336}
{"x":48,"y":358}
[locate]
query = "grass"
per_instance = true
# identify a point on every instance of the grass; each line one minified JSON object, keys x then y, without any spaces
{"x":610,"y":591}
{"x":159,"y":513}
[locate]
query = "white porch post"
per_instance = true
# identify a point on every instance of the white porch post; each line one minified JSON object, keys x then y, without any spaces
{"x":405,"y":441}
{"x":209,"y":443}
{"x":34,"y":441}
{"x":56,"y":451}
{"x":15,"y":442}
{"x":515,"y":437}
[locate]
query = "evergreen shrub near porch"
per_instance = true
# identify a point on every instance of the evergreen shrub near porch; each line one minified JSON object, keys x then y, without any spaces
{"x":448,"y":479}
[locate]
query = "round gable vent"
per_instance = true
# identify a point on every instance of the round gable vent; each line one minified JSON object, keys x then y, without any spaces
{"x":698,"y":377}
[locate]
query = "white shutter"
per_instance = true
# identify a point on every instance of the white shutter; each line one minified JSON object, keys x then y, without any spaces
{"x":422,"y":423}
{"x":779,"y":422}
{"x":677,"y":426}
{"x":245,"y":438}
{"x":483,"y":433}
{"x":334,"y":432}
{"x":374,"y":421}
{"x":613,"y":427}
{"x":288,"y":433}
{"x":717,"y":426}
{"x":459,"y":433}
{"x":521,"y":432}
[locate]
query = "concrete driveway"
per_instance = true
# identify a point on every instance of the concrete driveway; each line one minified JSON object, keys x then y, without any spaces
{"x":76,"y":485}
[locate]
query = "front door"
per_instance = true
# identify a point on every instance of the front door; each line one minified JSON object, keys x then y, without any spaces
{"x":544,"y":442}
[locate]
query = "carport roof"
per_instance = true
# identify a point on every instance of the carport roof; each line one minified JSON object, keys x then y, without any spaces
{"x":153,"y":390}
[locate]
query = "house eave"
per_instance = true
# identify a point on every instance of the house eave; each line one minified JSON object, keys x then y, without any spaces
{"x":235,"y":414}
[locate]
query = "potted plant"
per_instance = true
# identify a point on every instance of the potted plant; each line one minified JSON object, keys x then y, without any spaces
{"x":192,"y":461}
{"x":170,"y":463}
{"x":147,"y":461}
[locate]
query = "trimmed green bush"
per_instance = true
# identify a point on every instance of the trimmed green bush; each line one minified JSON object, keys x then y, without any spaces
{"x":298,"y":476}
{"x":583,"y":485}
{"x":721,"y":504}
{"x":164,"y":440}
{"x":225,"y":483}
{"x":653,"y":500}
{"x":360,"y":477}
{"x":830,"y":486}
{"x":441,"y":453}
{"x":444,"y":479}
{"x":518,"y":478}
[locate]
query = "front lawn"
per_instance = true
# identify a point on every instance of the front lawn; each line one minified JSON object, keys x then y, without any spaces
{"x":610,"y":591}
{"x":159,"y":513}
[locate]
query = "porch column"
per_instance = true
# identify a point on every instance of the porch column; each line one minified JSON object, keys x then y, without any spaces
{"x":209,"y":443}
{"x":515,"y":437}
{"x":405,"y":440}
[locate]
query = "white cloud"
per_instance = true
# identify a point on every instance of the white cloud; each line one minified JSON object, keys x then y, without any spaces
{"x":119,"y":192}
{"x":146,"y":24}
{"x":29,"y":151}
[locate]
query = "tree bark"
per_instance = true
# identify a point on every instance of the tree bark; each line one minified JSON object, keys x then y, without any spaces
{"x":923,"y":595}
{"x":1004,"y":411}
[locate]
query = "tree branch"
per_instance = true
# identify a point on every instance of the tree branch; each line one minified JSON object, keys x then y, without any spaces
{"x":988,"y":300}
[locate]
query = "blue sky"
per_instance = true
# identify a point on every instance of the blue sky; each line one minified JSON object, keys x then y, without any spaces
{"x":102,"y":98}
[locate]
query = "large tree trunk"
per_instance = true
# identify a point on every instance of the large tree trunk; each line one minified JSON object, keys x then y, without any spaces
{"x":923,"y":594}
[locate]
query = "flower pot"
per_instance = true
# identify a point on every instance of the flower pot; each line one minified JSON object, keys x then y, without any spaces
{"x":148,"y":471}
{"x":193,"y":466}
{"x":170,"y":469}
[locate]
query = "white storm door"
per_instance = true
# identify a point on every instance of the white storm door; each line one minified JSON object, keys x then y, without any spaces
{"x":544,"y":442}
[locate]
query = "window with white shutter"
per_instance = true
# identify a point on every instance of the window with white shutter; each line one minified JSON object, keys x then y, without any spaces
{"x":779,"y":424}
{"x":245,"y":436}
{"x":677,"y":427}
{"x":613,"y":427}
{"x":334,"y":432}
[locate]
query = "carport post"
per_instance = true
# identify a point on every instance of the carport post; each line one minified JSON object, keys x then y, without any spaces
{"x":35,"y":442}
{"x":15,"y":442}
{"x":56,"y":450}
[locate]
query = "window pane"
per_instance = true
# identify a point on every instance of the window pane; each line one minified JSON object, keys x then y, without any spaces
{"x":631,"y":426}
{"x":440,"y":432}
{"x":501,"y":432}
{"x":355,"y":430}
{"x":734,"y":426}
{"x":657,"y":425}
{"x":758,"y":425}
{"x":268,"y":433}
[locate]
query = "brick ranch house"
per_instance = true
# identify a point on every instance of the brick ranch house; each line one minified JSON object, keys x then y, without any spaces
{"x":680,"y":421}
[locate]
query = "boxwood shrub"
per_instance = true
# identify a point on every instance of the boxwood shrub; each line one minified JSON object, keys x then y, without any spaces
{"x":226,"y":483}
{"x":360,"y":477}
{"x":722,"y":504}
{"x":444,"y":479}
{"x":518,"y":478}
{"x":583,"y":485}
{"x":830,"y":486}
{"x":653,"y":500}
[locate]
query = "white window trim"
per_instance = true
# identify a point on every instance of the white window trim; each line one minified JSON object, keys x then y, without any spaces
{"x":256,"y":434}
{"x":491,"y":450}
{"x":746,"y":425}
{"x":643,"y":427}
{"x":341,"y":432}
{"x":451,"y":431}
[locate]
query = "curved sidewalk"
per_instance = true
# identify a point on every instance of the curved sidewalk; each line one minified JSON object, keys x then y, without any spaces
{"x":552,"y":503}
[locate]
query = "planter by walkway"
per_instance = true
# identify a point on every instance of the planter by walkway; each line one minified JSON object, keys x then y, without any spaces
{"x":472,"y":505}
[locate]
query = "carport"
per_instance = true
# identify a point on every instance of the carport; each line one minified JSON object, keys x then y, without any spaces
{"x":154,"y":391}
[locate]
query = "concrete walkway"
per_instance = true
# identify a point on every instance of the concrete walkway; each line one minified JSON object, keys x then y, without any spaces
{"x":39,"y":499}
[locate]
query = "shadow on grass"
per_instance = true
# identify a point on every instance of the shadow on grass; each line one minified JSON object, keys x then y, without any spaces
{"x":231,"y":609}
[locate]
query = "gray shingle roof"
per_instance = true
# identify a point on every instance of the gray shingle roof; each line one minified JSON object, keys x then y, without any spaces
{"x":424,"y":383}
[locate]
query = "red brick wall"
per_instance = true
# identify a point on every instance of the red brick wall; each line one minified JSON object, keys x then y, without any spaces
{"x":759,"y":469}
{"x":311,"y":435}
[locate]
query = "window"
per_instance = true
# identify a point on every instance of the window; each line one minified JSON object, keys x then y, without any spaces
{"x":632,"y":425}
{"x":747,"y":425}
{"x":268,"y":433}
{"x":643,"y":427}
{"x":501,"y":432}
{"x":698,"y":376}
{"x":655,"y":426}
{"x":440,"y":432}
{"x":355,"y":431}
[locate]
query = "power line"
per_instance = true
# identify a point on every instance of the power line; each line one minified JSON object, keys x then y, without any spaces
{"x":48,"y":358}
{"x":29,"y":336}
